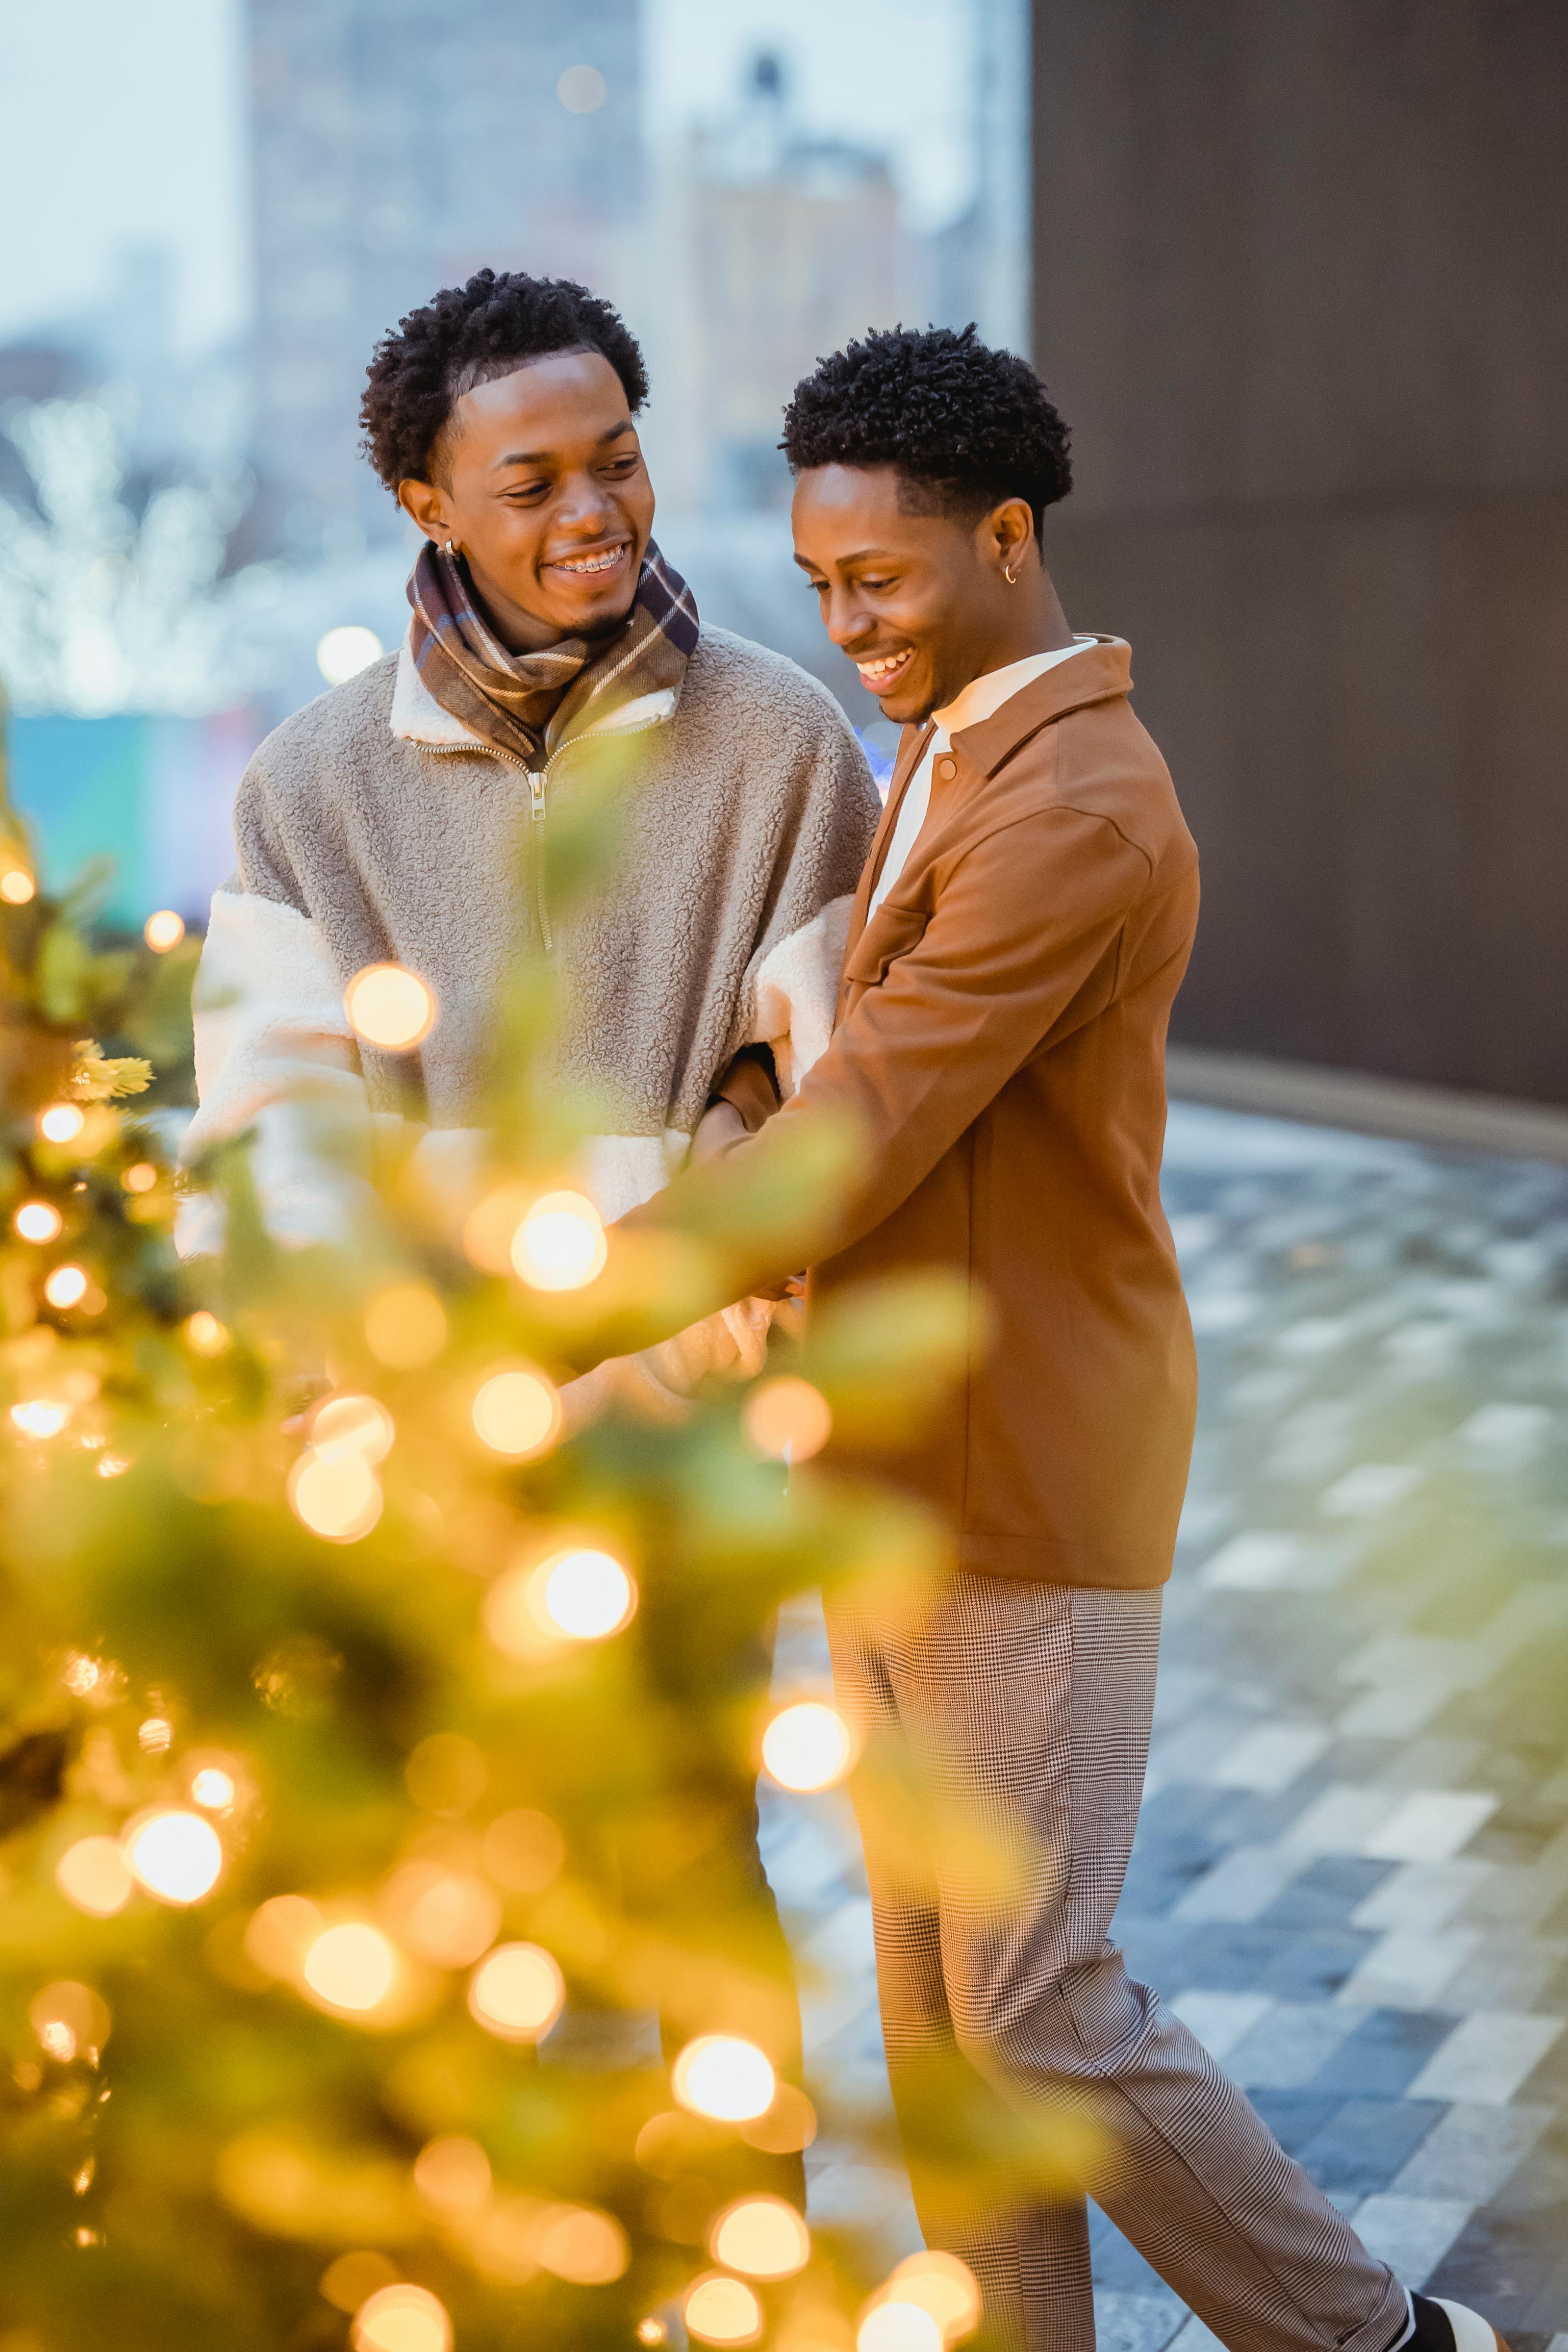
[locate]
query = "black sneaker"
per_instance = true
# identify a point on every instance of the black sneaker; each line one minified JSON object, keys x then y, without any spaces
{"x":1445,"y":2327}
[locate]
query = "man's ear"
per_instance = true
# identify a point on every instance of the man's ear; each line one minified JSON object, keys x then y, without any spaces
{"x":1010,"y":531}
{"x":426,"y":507}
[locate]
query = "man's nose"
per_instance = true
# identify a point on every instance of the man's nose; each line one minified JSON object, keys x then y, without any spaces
{"x":583,"y":505}
{"x":846,"y":619}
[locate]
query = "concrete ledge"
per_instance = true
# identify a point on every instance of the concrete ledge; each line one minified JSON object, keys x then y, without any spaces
{"x":1348,"y":1099}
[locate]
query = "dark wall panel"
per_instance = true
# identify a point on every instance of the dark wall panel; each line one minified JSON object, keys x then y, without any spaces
{"x":1301,"y":277}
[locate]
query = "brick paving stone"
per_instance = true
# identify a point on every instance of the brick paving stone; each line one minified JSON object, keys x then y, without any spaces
{"x":1352,"y":1864}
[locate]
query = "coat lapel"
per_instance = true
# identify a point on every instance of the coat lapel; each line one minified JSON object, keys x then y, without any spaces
{"x":913,"y":744}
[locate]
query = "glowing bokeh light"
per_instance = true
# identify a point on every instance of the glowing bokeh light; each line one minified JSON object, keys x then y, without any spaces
{"x":582,"y":89}
{"x":70,"y":2018}
{"x":95,"y":1877}
{"x":899,"y":2328}
{"x":942,"y":2285}
{"x":446,"y":1917}
{"x":163,"y":930}
{"x":154,"y":1736}
{"x":453,"y":2174}
{"x":338,"y":1499}
{"x":37,"y":1220}
{"x":213,"y":1788}
{"x":586,"y":1594}
{"x":446,"y":1773}
{"x":62,"y":1122}
{"x":350,"y":1967}
{"x":139,"y":1177}
{"x":762,"y":2236}
{"x":177,"y":1855}
{"x":341,"y":1425}
{"x":652,"y":2331}
{"x":807,"y":1746}
{"x":719,"y":2310}
{"x":389,"y":1006}
{"x":517,"y":1412}
{"x":560,"y":1244}
{"x":401,"y":2319}
{"x":354,"y":2277}
{"x":517,"y":1993}
{"x":523,"y":1850}
{"x":40,"y":1416}
{"x":67,"y":1287}
{"x":17,"y":885}
{"x":206,"y":1336}
{"x":344,"y":651}
{"x":724,"y":2077}
{"x":581,"y":2245}
{"x":787,"y":1420}
{"x":405,"y":1326}
{"x":280,"y":1933}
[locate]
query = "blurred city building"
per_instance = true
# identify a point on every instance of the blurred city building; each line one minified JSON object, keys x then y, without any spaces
{"x":396,"y":148}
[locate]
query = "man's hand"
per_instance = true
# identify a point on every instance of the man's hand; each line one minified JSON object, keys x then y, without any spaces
{"x":719,"y":1126}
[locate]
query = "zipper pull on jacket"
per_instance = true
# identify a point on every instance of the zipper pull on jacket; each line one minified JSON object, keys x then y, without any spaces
{"x":536,"y":793}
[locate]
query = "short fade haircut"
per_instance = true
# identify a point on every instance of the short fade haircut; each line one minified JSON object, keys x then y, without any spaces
{"x":472,"y":334}
{"x":965,"y":426}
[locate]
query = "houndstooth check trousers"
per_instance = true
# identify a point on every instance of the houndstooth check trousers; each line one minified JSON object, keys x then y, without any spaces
{"x":1033,"y":1701}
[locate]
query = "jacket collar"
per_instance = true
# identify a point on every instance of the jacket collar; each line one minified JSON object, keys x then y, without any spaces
{"x":1100,"y":673}
{"x":417,"y":717}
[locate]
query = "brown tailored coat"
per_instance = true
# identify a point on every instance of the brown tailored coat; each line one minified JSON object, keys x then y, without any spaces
{"x":1000,"y":1045}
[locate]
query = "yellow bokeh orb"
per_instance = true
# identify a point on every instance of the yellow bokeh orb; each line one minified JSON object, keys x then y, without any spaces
{"x":65,"y":1286}
{"x":37,"y":1220}
{"x":95,"y":1877}
{"x":401,"y":2318}
{"x":453,"y":2173}
{"x":517,"y":1413}
{"x":787,"y":1420}
{"x":942,"y":2285}
{"x":177,"y":1855}
{"x":808,"y":1746}
{"x":338,"y":1499}
{"x":762,"y":2236}
{"x":206,"y":1336}
{"x":577,"y":2243}
{"x":405,"y":1326}
{"x":163,"y":930}
{"x":719,"y":2310}
{"x":343,"y":1425}
{"x":18,"y":887}
{"x":560,"y":1244}
{"x":62,"y":1122}
{"x":389,"y":1006}
{"x":517,"y":1992}
{"x":725,"y":2077}
{"x":897,"y":2326}
{"x":586,"y":1594}
{"x":350,"y":1967}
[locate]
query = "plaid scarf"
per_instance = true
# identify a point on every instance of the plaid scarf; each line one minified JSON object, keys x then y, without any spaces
{"x":526,"y":704}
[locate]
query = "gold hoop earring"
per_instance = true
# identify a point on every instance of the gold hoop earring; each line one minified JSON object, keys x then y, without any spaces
{"x":1007,"y":576}
{"x":453,"y":551}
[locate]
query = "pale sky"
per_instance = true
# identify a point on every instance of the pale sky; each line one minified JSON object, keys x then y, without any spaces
{"x":123,"y":125}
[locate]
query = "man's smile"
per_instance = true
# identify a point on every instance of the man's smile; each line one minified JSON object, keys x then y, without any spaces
{"x":879,"y":671}
{"x":595,"y":565}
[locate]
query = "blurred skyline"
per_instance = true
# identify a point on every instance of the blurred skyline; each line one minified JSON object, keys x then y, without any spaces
{"x":152,"y":152}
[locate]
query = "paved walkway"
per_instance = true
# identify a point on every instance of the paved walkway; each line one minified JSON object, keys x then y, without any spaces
{"x":1352,"y":1873}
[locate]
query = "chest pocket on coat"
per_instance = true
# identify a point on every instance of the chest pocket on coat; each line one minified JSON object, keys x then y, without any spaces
{"x":892,"y":931}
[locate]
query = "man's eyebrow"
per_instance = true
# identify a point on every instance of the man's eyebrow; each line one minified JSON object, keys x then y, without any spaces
{"x":861,"y":555}
{"x":544,"y":456}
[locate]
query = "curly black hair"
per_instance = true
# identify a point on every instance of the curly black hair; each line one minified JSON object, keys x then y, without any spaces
{"x":965,"y":426}
{"x":471,"y":334}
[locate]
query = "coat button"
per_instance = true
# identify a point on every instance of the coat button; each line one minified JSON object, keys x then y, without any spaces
{"x":945,"y":771}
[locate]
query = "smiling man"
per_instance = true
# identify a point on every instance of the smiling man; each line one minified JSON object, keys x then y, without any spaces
{"x":404,"y":816}
{"x":1018,"y":936}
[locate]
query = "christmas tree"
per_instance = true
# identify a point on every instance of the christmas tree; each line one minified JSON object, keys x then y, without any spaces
{"x":384,"y":1959}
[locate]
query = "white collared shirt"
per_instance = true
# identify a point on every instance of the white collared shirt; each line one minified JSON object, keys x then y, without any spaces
{"x":981,"y":698}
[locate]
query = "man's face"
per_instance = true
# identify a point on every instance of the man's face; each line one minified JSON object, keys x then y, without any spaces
{"x":541,"y":485}
{"x":911,"y":598}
